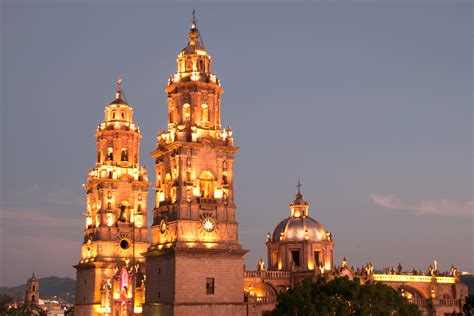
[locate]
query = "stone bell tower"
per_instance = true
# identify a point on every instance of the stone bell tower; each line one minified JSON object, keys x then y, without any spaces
{"x":195,"y":262}
{"x":32,"y":291}
{"x":115,"y":233}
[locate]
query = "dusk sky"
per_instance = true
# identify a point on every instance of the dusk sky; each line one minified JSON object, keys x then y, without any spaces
{"x":370,"y":104}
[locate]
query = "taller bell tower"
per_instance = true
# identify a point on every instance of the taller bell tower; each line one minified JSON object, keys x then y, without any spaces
{"x":115,"y":234}
{"x":195,"y":262}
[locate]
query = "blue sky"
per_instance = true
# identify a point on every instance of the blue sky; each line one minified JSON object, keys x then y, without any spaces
{"x":369,"y":103}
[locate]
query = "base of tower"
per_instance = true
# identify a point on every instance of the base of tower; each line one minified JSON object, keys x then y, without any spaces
{"x":189,"y":309}
{"x":87,"y":309}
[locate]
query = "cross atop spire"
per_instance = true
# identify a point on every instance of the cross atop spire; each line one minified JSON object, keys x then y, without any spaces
{"x":118,"y":95}
{"x":299,"y":185}
{"x":193,"y":23}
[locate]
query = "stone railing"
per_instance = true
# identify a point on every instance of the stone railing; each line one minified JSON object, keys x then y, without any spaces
{"x":412,"y":278}
{"x":446,"y":302}
{"x":440,"y":302}
{"x":261,"y":300}
{"x":267,"y":274}
{"x":208,"y":203}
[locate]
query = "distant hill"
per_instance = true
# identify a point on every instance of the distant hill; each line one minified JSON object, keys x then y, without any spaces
{"x":469,"y":281}
{"x":61,"y":289}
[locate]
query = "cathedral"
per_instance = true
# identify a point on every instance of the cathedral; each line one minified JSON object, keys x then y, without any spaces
{"x":191,"y":261}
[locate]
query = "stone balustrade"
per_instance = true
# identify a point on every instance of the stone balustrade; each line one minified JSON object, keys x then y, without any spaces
{"x":267,"y":274}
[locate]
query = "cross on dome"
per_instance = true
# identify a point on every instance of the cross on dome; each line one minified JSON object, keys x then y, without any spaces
{"x":118,"y":95}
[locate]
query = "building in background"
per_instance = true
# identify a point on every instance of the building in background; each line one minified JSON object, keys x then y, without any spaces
{"x":110,"y":272}
{"x":32,"y":291}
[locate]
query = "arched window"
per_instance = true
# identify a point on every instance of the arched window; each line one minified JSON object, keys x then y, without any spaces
{"x":110,"y":154}
{"x":224,"y":166}
{"x":206,"y":184}
{"x":225,"y":198}
{"x":109,"y":206}
{"x":188,"y":195}
{"x":188,"y":162}
{"x":201,"y":64}
{"x":123,"y":116}
{"x":98,"y":156}
{"x":34,"y":288}
{"x":189,"y":64}
{"x":224,"y":180}
{"x":186,"y":112}
{"x":124,"y":155}
{"x":124,"y":214}
{"x":167,"y":186}
{"x":204,"y":113}
{"x":113,"y":115}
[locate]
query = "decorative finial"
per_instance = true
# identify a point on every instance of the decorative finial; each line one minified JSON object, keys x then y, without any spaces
{"x":193,"y":23}
{"x":119,"y":92}
{"x":299,"y":185}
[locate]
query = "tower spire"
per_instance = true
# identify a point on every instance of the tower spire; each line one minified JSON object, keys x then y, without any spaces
{"x":193,"y":23}
{"x":118,"y":95}
{"x":194,"y":33}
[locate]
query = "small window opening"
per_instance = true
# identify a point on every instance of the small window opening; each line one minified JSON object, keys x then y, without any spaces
{"x":110,"y":154}
{"x":186,"y":112}
{"x":124,"y":155}
{"x":316,"y":259}
{"x":209,"y":286}
{"x":205,"y":113}
{"x":295,"y":256}
{"x":124,"y":244}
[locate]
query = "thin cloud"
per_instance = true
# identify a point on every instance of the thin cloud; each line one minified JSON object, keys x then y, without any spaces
{"x":431,"y":207}
{"x":38,"y":218}
{"x":65,"y":197}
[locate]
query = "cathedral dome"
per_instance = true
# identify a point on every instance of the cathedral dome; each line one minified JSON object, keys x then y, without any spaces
{"x":299,"y":229}
{"x":299,"y":226}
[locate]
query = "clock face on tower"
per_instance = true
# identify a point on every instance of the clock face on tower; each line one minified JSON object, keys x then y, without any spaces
{"x":209,"y":224}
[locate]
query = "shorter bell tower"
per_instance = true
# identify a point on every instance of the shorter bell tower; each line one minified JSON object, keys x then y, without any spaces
{"x":111,"y":269}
